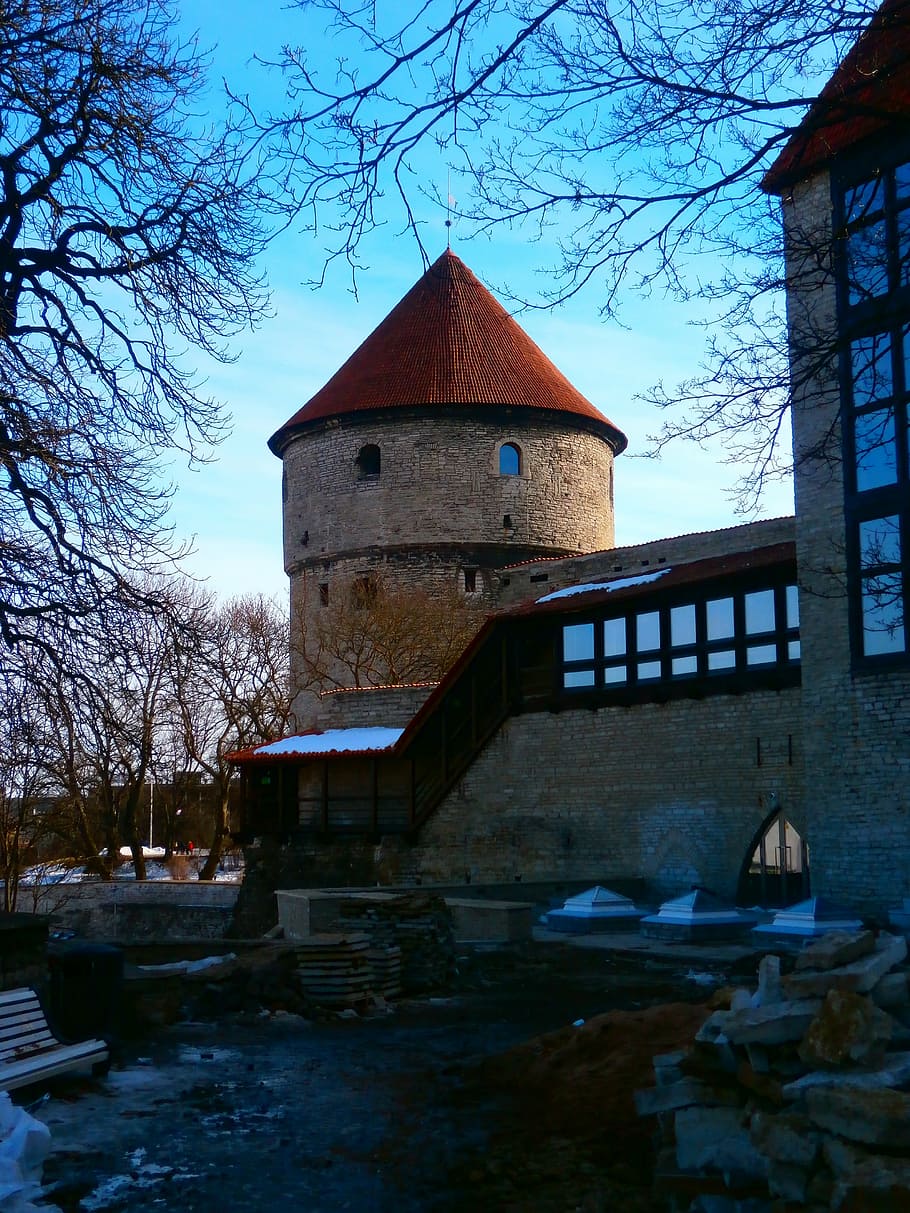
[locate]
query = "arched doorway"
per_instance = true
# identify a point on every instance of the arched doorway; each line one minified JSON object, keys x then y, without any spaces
{"x":775,"y":871}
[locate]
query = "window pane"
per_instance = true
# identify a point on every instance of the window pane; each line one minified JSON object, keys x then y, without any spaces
{"x":509,"y":460}
{"x":876,"y":453}
{"x":648,"y":670}
{"x":903,"y":245}
{"x":614,"y":674}
{"x":793,"y":650}
{"x":870,"y":359}
{"x":902,"y":181}
{"x":760,"y":612}
{"x":578,"y":678}
{"x":879,"y":542}
{"x":578,"y":642}
{"x":792,"y":606}
{"x":648,"y":631}
{"x":863,"y":199}
{"x":761,"y":654}
{"x":867,"y":264}
{"x":685,"y":665}
{"x":720,"y":618}
{"x":724,"y":660}
{"x":682,"y":625}
{"x":883,"y":615}
{"x":614,"y":637}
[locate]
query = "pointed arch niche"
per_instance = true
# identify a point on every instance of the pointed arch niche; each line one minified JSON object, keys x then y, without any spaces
{"x":775,"y":870}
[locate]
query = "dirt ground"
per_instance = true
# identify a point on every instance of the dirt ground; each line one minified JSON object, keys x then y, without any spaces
{"x":492,"y":1096}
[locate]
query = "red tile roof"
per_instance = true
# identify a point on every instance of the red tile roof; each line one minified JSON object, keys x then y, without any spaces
{"x":447,"y":343}
{"x":868,"y":94}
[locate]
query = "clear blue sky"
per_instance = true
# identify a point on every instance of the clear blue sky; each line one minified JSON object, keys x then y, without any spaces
{"x":232,"y":506}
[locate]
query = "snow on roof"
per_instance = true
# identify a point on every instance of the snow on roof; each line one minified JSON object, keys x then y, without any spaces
{"x":618,"y":583}
{"x":332,"y":741}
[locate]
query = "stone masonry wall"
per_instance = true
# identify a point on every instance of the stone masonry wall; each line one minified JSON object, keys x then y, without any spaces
{"x":440,"y":483}
{"x":391,"y":707}
{"x":674,"y":793}
{"x":519,"y":583}
{"x":856,"y":727}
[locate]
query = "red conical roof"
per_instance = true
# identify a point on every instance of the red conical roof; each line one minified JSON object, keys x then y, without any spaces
{"x":867,"y":95}
{"x":448,"y":342}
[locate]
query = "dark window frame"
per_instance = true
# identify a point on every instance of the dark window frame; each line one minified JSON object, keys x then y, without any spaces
{"x":783,"y":671}
{"x":368,"y":462}
{"x":887,"y":314}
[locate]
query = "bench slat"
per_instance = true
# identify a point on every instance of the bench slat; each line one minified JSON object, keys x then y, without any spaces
{"x":29,"y":1051}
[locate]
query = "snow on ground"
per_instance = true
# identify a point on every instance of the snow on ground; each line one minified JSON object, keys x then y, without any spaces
{"x":24,"y":1143}
{"x":190,"y":966}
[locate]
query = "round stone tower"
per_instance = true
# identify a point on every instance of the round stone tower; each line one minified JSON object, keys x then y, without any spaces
{"x":447,"y":446}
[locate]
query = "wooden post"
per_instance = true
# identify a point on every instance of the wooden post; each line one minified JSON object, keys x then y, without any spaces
{"x":375,"y":773}
{"x":325,"y":796}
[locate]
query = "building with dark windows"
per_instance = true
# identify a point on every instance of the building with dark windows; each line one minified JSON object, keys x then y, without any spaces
{"x":714,"y":709}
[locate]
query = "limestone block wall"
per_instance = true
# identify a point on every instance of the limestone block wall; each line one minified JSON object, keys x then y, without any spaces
{"x":519,"y":583}
{"x":391,"y":707}
{"x":856,"y":726}
{"x":439,"y":482}
{"x":674,"y":793}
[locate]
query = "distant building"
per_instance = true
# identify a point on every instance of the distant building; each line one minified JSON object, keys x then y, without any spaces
{"x":730,"y":709}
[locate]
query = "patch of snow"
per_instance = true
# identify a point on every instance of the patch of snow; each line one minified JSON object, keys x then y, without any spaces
{"x":374,"y":737}
{"x":189,"y":966}
{"x":702,"y":979}
{"x":24,"y":1143}
{"x":619,"y":583}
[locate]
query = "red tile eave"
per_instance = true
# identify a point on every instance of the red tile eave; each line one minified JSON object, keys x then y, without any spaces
{"x":249,"y":755}
{"x":868,"y":95}
{"x":447,"y":344}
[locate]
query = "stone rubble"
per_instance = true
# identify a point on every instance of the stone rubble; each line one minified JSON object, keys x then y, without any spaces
{"x":795,"y":1095}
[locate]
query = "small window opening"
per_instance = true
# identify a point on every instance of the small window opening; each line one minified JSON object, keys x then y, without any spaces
{"x":470,"y":581}
{"x":509,"y":460}
{"x":535,"y":577}
{"x":507,"y":522}
{"x":368,"y":462}
{"x":324,"y":593}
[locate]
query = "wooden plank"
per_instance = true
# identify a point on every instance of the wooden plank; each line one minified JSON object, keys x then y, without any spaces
{"x":29,"y":1051}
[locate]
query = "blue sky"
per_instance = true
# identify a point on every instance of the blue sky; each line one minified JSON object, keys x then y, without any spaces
{"x":231,"y":507}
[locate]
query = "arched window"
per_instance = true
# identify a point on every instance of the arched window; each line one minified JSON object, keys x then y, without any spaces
{"x":509,"y":460}
{"x":368,"y":462}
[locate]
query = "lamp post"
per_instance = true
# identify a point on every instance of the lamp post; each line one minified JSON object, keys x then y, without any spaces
{"x":151,"y":806}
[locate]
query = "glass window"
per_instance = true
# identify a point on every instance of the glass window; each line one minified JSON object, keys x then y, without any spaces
{"x":685,"y":665}
{"x":720,"y":618}
{"x":615,"y":674}
{"x":647,"y":631}
{"x":682,"y":625}
{"x":876,"y":451}
{"x":761,"y":654}
{"x":867,"y":262}
{"x":863,"y":200}
{"x":870,"y":359}
{"x":509,"y":460}
{"x":903,"y":246}
{"x":883,"y":615}
{"x":578,"y":642}
{"x":614,"y":637}
{"x":760,"y":612}
{"x":578,"y":678}
{"x":648,"y":670}
{"x":793,"y":650}
{"x":879,"y":542}
{"x":792,"y":606}
{"x":723,"y":660}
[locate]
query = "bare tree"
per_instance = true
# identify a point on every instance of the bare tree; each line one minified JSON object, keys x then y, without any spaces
{"x":375,"y":633}
{"x":232,"y":693}
{"x":636,"y":133}
{"x":128,"y":230}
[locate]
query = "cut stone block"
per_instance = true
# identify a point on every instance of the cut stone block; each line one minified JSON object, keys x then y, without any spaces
{"x":777,"y":1024}
{"x":860,"y":975}
{"x":684,"y":1094}
{"x":894,"y":1071}
{"x":876,"y":1183}
{"x":786,"y":1138}
{"x":878,"y":1117}
{"x":835,"y":949}
{"x":891,"y":992}
{"x":849,"y":1029}
{"x":716,"y":1138}
{"x":769,"y":987}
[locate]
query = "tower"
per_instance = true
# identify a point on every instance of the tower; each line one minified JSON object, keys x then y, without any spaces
{"x":447,"y":446}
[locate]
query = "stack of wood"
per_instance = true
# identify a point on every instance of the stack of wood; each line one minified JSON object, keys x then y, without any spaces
{"x":419,"y":925}
{"x":796,"y":1096}
{"x":385,"y":965}
{"x":335,"y":970}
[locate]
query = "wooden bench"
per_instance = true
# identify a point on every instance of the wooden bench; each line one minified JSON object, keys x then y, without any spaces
{"x":29,"y":1050}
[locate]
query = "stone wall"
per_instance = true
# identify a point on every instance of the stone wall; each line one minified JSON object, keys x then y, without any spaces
{"x":518,"y":583}
{"x":856,"y":726}
{"x":138,"y":910}
{"x":391,"y":707}
{"x":674,"y":793}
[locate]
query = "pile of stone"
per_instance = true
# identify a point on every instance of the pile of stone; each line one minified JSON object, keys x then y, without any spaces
{"x":335,"y":970}
{"x":418,"y":925}
{"x":796,"y":1096}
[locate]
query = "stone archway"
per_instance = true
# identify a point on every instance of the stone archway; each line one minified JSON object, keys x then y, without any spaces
{"x":775,"y":870}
